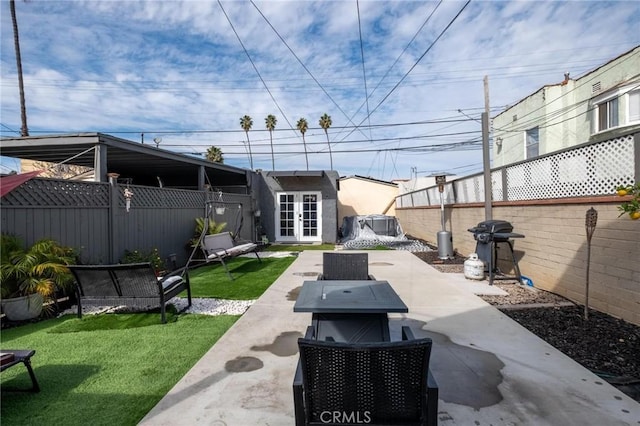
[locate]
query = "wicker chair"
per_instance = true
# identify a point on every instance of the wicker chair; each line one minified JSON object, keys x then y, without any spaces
{"x":133,"y":284}
{"x":345,"y":266}
{"x":387,"y":383}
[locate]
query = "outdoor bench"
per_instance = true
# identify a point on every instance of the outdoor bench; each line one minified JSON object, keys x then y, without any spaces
{"x":11,"y":357}
{"x":133,"y":284}
{"x":222,"y":246}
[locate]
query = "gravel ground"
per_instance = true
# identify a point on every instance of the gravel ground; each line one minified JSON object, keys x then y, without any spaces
{"x":608,"y":346}
{"x":198,"y":306}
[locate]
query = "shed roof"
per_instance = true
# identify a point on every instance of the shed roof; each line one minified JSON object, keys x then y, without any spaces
{"x":369,"y":179}
{"x":296,"y":173}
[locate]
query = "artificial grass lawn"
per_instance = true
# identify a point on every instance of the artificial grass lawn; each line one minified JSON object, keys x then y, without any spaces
{"x":111,"y":369}
{"x":251,"y":278}
{"x":106,"y":369}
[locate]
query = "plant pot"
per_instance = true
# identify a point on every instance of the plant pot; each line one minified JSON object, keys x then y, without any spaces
{"x":220,"y":210}
{"x":22,"y":308}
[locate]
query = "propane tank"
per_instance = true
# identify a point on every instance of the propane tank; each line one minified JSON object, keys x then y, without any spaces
{"x":474,"y":268}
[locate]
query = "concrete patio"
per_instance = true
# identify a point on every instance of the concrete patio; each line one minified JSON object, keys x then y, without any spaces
{"x":491,"y":370}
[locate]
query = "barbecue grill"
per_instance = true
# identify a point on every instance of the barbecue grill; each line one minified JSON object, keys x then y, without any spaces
{"x":488,"y":235}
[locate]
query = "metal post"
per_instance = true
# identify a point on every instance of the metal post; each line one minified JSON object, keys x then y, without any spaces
{"x":442,"y":221}
{"x":113,"y":211}
{"x":486,"y":166}
{"x":100,"y":163}
{"x":486,"y":155}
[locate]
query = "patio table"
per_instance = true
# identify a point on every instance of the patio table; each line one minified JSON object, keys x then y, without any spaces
{"x":350,"y":311}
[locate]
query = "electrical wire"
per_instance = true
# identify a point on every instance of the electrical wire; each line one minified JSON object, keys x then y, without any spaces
{"x":398,"y":58}
{"x":561,"y":113}
{"x":254,"y":66}
{"x":364,"y":69}
{"x":417,"y":61}
{"x":302,"y":64}
{"x":576,"y":87}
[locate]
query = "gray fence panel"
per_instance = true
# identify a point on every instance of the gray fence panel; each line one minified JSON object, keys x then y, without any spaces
{"x":79,"y":215}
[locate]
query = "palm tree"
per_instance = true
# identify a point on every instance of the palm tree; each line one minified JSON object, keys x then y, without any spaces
{"x":214,"y":154}
{"x":246,"y":123}
{"x":24,"y":130}
{"x":325,"y":122}
{"x":302,"y":127}
{"x":270,"y":122}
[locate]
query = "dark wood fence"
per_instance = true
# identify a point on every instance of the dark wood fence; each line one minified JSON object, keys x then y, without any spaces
{"x":92,"y":217}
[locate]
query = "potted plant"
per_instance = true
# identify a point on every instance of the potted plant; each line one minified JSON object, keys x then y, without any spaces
{"x":213,"y":227}
{"x":30,"y":276}
{"x":152,"y":256}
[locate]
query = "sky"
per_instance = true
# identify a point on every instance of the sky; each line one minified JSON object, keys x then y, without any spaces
{"x":402,"y":81}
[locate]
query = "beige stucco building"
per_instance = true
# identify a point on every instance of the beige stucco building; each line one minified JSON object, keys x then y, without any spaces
{"x":360,"y":195}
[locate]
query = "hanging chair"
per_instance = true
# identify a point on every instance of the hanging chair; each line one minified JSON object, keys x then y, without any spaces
{"x":212,"y":208}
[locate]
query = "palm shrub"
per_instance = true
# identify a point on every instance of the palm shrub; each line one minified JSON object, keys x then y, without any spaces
{"x":41,"y":268}
{"x":213,"y":228}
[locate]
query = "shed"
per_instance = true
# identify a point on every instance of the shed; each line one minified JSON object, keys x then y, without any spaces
{"x":298,"y":206}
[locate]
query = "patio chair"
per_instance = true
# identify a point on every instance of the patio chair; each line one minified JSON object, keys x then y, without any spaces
{"x":11,"y":357}
{"x":345,"y":266}
{"x":386,"y":383}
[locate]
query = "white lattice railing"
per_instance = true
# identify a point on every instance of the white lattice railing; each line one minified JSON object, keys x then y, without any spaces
{"x":587,"y":170}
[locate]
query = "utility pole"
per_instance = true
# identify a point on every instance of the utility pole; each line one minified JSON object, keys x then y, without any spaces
{"x":24,"y":129}
{"x":486,"y":155}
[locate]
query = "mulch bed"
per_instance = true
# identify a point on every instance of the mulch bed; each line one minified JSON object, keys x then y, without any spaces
{"x":608,"y":346}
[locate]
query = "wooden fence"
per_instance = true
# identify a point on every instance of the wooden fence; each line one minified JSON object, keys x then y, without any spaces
{"x":93,"y":218}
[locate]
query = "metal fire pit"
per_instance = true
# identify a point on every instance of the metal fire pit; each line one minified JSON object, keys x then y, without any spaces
{"x":488,"y":235}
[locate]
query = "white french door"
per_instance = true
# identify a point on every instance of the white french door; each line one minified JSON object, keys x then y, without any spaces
{"x":299,"y":216}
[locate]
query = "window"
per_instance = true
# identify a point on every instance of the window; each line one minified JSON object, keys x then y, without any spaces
{"x":634,"y":106}
{"x":532,"y":143}
{"x":607,"y":113}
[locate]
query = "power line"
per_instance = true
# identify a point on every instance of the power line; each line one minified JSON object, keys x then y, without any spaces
{"x":254,"y":65}
{"x":396,"y":138}
{"x":472,"y":144}
{"x":398,"y":58}
{"x":576,"y":87}
{"x":302,"y":63}
{"x":443,"y":120}
{"x":364,"y":70}
{"x":419,"y":59}
{"x":559,"y":113}
{"x":554,"y":114}
{"x":10,"y":129}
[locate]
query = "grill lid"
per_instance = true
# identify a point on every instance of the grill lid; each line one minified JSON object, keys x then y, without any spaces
{"x":492,"y":227}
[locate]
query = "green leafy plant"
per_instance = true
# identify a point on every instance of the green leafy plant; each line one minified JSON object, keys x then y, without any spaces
{"x":41,"y":268}
{"x":152,"y":256}
{"x":214,"y":228}
{"x":631,"y":207}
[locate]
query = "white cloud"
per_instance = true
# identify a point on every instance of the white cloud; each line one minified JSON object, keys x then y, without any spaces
{"x":154,"y":66}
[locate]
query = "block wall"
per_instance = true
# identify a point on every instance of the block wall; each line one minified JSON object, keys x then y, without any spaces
{"x":554,"y":251}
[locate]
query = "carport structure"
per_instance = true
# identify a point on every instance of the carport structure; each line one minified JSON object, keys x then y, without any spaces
{"x":142,"y":164}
